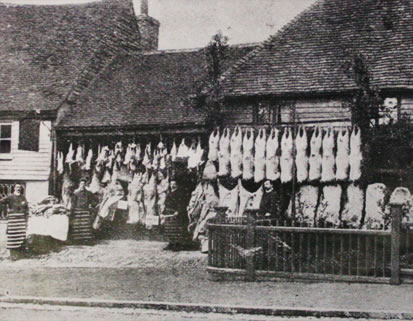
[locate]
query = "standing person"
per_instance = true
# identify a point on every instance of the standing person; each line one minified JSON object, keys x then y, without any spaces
{"x":17,"y":215}
{"x":82,"y":202}
{"x":175,"y":201}
{"x":270,"y":202}
{"x":107,"y":208}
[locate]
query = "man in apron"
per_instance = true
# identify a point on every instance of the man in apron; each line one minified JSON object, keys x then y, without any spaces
{"x":81,"y":220}
{"x":17,"y":215}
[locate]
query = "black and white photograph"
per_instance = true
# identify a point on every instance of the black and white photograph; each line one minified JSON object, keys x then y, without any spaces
{"x":206,"y":160}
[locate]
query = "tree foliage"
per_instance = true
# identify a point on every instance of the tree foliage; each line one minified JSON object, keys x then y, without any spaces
{"x":216,"y":53}
{"x":388,"y":146}
{"x":366,"y":101}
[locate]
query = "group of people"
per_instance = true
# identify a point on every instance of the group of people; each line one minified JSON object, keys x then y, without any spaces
{"x":83,"y":201}
{"x":17,"y":209}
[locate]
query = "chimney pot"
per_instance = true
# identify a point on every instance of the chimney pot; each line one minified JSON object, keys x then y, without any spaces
{"x":144,"y":7}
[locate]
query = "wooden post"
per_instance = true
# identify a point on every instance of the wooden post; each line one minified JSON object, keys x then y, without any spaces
{"x":294,"y":180}
{"x":221,"y":213}
{"x":397,"y":201}
{"x":53,"y":169}
{"x":250,"y":240}
{"x":396,"y":214}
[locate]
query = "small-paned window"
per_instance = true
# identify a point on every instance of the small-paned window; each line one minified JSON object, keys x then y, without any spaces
{"x":276,"y":115}
{"x":286,"y":111}
{"x":273,"y":113}
{"x":262,"y":113}
{"x":5,"y":138}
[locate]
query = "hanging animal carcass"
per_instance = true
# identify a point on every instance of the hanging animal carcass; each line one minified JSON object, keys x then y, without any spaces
{"x":301,"y":159}
{"x":315,"y":160}
{"x":248,"y":155}
{"x":236,"y":153}
{"x":287,"y":160}
{"x":259,"y":158}
{"x":224,"y":154}
{"x":272,"y":165}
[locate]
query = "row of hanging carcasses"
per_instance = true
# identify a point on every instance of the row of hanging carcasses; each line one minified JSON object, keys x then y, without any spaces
{"x":326,"y":157}
{"x":154,"y":159}
{"x":146,"y":192}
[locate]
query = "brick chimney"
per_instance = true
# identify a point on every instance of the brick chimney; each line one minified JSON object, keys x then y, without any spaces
{"x":148,"y":29}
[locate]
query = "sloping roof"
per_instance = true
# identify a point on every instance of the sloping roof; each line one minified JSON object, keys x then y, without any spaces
{"x":45,"y":51}
{"x":151,"y":89}
{"x":308,"y":55}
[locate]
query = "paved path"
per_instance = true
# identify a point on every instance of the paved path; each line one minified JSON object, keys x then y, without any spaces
{"x":19,"y":312}
{"x":193,"y":287}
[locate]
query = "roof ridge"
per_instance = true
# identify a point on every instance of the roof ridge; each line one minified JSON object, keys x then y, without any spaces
{"x":67,"y":99}
{"x":164,"y":51}
{"x":235,"y":67}
{"x":72,"y":4}
{"x":68,"y":4}
{"x":106,"y":64}
{"x":160,"y":51}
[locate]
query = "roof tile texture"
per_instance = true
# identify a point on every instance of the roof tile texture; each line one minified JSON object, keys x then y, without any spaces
{"x":308,"y":55}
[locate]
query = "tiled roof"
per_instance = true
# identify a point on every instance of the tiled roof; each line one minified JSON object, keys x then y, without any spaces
{"x":151,"y":89}
{"x":45,"y":51}
{"x":309,"y":54}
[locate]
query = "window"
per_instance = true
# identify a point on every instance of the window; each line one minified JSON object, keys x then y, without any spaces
{"x":266,"y":114}
{"x":5,"y":138}
{"x":276,"y":115}
{"x":286,"y":111}
{"x":262,"y":113}
{"x":389,"y":111}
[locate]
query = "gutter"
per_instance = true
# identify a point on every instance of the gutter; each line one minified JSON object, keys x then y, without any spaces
{"x":132,"y":130}
{"x":29,"y":114}
{"x":213,"y":308}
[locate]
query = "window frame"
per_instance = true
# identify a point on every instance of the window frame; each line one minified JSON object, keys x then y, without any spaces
{"x":8,"y":155}
{"x":274,"y":109}
{"x":257,"y":106}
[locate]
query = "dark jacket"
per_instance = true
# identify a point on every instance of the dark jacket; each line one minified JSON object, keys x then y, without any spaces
{"x":270,"y":203}
{"x":83,"y":199}
{"x":15,"y":204}
{"x":176,"y":201}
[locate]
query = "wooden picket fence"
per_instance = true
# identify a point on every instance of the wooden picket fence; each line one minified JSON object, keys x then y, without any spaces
{"x":252,"y":249}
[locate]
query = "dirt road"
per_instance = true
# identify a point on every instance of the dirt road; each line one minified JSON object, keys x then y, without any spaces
{"x":142,"y":270}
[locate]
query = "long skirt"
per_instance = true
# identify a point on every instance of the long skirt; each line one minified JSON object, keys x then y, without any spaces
{"x":16,"y":230}
{"x":81,"y":225}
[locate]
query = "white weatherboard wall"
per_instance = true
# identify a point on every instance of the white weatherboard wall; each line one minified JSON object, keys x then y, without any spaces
{"x":36,"y":190}
{"x":31,"y":167}
{"x":322,"y":111}
{"x":327,"y":110}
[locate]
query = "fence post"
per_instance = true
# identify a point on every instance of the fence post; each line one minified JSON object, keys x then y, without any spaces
{"x":221,"y":210}
{"x":396,"y":214}
{"x":250,"y":240}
